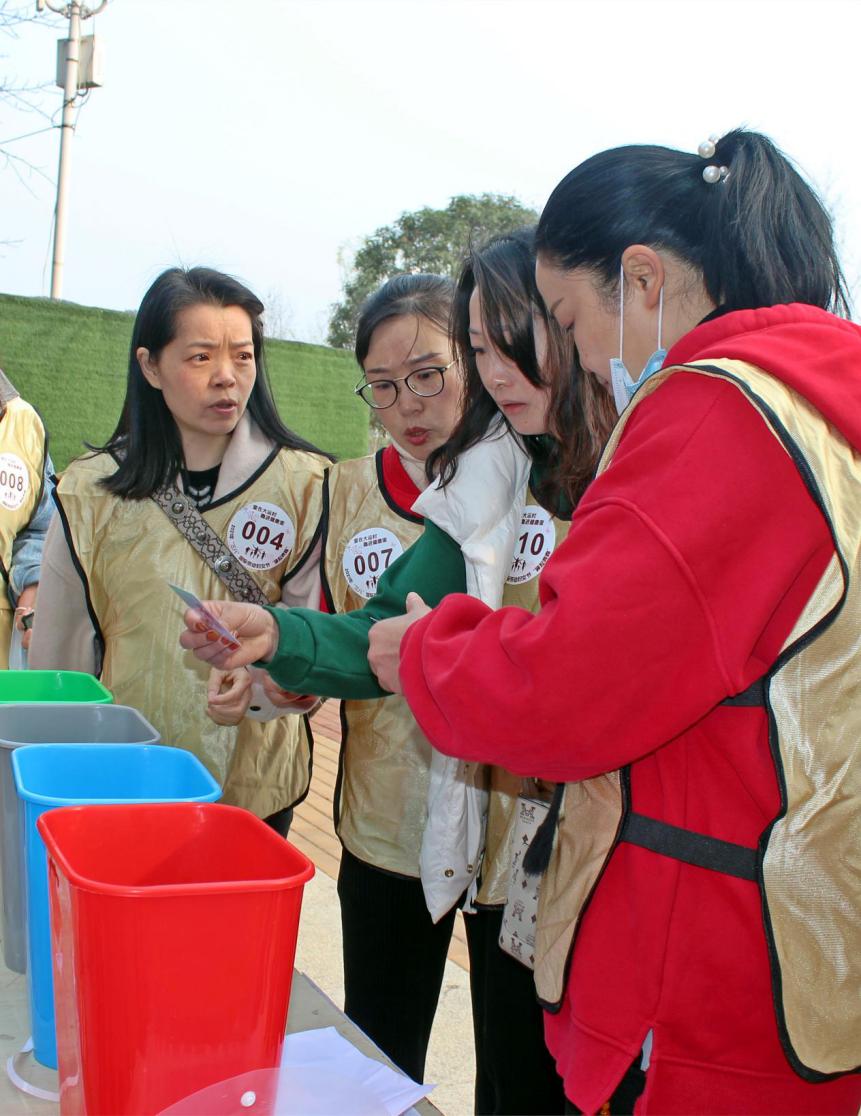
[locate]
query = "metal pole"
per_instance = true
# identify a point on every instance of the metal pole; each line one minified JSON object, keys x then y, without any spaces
{"x":67,"y":130}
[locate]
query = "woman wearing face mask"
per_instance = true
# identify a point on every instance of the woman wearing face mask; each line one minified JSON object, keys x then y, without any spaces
{"x":500,"y":335}
{"x":694,"y":669}
{"x":199,"y":448}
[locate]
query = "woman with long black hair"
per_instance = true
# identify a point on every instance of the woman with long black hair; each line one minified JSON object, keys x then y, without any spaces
{"x":199,"y":453}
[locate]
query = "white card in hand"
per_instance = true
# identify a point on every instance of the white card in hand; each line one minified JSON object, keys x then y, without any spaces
{"x":217,"y":630}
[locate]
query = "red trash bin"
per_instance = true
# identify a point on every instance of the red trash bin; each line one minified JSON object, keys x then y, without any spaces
{"x":173,"y":930}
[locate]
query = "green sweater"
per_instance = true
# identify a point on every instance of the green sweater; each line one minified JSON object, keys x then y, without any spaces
{"x":327,"y":655}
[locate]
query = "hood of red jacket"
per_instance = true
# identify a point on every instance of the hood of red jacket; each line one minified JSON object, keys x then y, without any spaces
{"x":815,"y":353}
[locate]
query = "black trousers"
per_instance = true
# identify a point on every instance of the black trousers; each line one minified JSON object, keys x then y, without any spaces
{"x":280,"y":821}
{"x":394,"y":960}
{"x":515,"y":1073}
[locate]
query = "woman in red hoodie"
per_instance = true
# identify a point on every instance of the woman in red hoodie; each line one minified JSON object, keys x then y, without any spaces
{"x":693,"y":674}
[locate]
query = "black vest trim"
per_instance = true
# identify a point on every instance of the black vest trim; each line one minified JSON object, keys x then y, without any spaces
{"x":692,"y":848}
{"x":753,"y":696}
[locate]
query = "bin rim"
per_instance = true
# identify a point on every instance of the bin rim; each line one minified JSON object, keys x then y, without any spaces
{"x":55,"y":706}
{"x":45,"y":822}
{"x":105,"y":697}
{"x":215,"y":791}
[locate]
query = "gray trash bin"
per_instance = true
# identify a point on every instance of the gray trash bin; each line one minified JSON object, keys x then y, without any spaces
{"x":47,"y":723}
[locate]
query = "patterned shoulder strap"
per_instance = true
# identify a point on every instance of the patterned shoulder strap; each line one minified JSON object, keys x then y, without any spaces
{"x":196,"y":531}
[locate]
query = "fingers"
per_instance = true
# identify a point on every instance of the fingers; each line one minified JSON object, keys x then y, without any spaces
{"x":218,"y":648}
{"x":229,"y":694}
{"x":235,"y":685}
{"x":230,"y":635}
{"x":287,"y":699}
{"x":208,"y":650}
{"x":213,"y":686}
{"x":221,"y":685}
{"x":416,"y":607}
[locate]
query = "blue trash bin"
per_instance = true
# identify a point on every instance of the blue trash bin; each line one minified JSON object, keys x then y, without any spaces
{"x":51,"y":775}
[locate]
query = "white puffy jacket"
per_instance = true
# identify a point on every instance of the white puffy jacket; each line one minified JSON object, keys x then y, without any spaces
{"x":480,"y":509}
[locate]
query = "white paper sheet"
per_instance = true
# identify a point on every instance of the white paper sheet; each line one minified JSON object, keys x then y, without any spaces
{"x":321,"y":1074}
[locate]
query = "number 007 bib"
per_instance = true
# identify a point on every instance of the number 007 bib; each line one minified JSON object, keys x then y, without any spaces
{"x":368,"y":554}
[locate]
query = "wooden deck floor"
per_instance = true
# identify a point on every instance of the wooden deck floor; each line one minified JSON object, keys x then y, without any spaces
{"x":313,"y":831}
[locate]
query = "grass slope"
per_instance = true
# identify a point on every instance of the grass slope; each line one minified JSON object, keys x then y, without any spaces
{"x":70,"y":362}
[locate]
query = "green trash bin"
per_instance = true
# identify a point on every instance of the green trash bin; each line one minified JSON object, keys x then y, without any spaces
{"x":31,"y":713}
{"x":52,"y":685}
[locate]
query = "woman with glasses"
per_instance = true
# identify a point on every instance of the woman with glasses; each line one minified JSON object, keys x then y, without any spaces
{"x":394,"y":953}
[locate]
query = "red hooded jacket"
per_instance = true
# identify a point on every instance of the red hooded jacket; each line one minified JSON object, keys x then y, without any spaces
{"x":688,"y":561}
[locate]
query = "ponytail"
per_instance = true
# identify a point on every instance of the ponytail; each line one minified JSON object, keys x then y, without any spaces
{"x":753,"y":228}
{"x":767,"y":238}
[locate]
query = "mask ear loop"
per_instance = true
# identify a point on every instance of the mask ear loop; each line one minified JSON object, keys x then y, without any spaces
{"x":660,"y":317}
{"x":622,"y":313}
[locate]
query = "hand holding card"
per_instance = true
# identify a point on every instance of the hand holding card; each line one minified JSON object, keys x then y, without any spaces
{"x":227,"y":634}
{"x":213,"y":629}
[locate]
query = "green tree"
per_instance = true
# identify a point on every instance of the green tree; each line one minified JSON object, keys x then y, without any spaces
{"x":434,"y":240}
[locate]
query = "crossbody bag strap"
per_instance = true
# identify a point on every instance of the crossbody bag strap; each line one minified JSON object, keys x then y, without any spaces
{"x":182,"y":513}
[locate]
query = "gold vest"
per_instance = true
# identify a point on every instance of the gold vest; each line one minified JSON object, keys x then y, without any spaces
{"x":539,"y":536}
{"x":23,"y":446}
{"x":128,"y":551}
{"x":381,"y":797}
{"x":808,"y":863}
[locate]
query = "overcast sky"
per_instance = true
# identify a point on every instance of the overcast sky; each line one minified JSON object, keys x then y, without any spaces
{"x":266,"y":137}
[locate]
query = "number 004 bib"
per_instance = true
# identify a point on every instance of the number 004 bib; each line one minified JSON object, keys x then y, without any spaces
{"x":261,"y":535}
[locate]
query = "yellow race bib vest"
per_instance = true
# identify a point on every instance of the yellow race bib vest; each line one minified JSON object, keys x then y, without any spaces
{"x":381,"y":795}
{"x":808,"y":864}
{"x":23,"y":446}
{"x":128,"y":551}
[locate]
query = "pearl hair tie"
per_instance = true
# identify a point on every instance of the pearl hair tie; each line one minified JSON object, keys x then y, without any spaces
{"x":711,"y":173}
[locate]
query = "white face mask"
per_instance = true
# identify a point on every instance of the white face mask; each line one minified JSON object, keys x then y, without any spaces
{"x":623,"y":385}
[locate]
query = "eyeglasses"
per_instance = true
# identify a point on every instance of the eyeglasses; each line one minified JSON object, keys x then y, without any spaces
{"x":424,"y":382}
